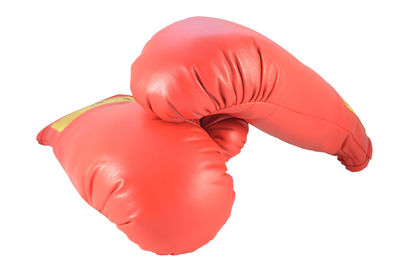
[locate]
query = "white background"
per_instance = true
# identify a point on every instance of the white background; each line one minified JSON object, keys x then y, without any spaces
{"x":293,"y":207}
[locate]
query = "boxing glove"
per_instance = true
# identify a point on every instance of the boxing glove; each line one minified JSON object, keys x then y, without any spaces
{"x":205,"y":66}
{"x":163,"y":184}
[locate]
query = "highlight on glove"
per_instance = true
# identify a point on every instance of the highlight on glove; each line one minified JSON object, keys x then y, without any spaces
{"x":204,"y":66}
{"x":163,"y":184}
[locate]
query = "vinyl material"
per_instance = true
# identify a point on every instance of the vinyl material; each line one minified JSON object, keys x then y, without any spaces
{"x":163,"y":184}
{"x":205,"y":66}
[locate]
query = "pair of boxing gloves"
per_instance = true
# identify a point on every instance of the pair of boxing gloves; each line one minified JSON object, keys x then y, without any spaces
{"x":154,"y":164}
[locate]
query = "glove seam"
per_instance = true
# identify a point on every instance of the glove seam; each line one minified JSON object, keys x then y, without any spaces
{"x":286,"y":108}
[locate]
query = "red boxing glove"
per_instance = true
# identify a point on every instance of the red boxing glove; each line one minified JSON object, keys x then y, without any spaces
{"x":205,"y":66}
{"x":163,"y":184}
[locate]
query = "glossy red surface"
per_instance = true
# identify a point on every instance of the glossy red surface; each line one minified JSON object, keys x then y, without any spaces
{"x":204,"y":66}
{"x":163,"y":184}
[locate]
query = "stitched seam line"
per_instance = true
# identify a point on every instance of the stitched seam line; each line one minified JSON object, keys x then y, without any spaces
{"x":317,"y":117}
